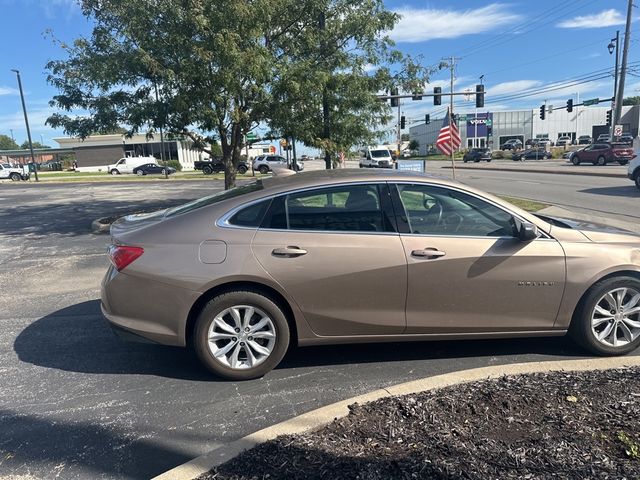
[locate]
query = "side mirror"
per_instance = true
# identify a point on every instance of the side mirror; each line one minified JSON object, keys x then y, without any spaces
{"x":527,"y":232}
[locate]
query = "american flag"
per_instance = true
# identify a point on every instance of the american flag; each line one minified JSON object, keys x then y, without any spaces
{"x":449,"y":136}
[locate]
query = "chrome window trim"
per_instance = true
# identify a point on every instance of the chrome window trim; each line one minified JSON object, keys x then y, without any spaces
{"x":500,"y":207}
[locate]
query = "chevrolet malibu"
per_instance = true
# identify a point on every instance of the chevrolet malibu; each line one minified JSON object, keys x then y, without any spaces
{"x":363,"y":256}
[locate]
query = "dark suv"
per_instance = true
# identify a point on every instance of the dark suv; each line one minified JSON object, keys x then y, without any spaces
{"x":477,"y":155}
{"x":603,"y":153}
{"x":531,"y":154}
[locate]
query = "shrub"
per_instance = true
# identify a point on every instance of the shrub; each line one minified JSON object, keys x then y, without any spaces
{"x":173,"y":163}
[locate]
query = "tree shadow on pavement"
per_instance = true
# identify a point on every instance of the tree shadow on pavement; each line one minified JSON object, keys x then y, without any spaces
{"x":32,"y":443}
{"x":79,"y":339}
{"x":72,"y":218}
{"x":629,"y":191}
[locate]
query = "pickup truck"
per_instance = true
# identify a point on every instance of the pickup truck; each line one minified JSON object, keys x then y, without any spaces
{"x":14,"y":173}
{"x":215,"y":165}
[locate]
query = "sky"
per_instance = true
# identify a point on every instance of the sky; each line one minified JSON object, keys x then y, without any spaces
{"x":517,"y":45}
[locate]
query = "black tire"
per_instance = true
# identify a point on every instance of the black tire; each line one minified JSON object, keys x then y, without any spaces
{"x":263,"y":169}
{"x":637,"y":180}
{"x":581,"y":330}
{"x":476,"y":161}
{"x":140,"y":173}
{"x":465,"y":160}
{"x":575,"y":160}
{"x":489,"y":160}
{"x":114,"y":172}
{"x":601,"y":161}
{"x":360,"y":165}
{"x":15,"y":177}
{"x":249,"y":298}
{"x":207,"y":170}
{"x":623,"y":162}
{"x":242,"y":169}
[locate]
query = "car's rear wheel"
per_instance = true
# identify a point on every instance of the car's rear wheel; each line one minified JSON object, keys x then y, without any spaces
{"x":601,"y":161}
{"x":637,"y":180}
{"x":241,"y":335}
{"x":608,"y":319}
{"x":242,"y":170}
{"x":575,"y":160}
{"x":623,"y":162}
{"x":207,"y":170}
{"x":263,"y":169}
{"x":15,"y":177}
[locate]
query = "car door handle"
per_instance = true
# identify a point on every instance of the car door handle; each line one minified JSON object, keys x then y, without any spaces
{"x":428,"y":253}
{"x":288,"y":252}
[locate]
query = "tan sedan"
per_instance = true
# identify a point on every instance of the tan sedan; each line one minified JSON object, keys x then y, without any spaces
{"x":364,"y":256}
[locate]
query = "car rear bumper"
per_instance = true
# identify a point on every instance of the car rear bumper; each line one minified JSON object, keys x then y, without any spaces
{"x":146,"y":310}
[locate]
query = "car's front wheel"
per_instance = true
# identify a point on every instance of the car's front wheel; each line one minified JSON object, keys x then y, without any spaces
{"x":15,"y":177}
{"x":241,"y":335}
{"x":242,"y":170}
{"x":114,"y":172}
{"x":637,"y":180}
{"x":207,"y":170}
{"x":608,"y":319}
{"x":263,"y":169}
{"x":140,"y":173}
{"x":575,"y":160}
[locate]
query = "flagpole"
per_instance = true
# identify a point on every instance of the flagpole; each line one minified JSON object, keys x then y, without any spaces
{"x":453,"y":163}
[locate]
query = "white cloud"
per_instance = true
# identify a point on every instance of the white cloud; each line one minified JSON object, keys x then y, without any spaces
{"x":422,"y":24}
{"x":37,"y":118}
{"x":515,"y":86}
{"x":8,"y":91}
{"x":606,"y":18}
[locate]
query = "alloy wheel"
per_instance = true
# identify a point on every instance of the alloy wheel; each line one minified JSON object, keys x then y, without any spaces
{"x":615,"y":320}
{"x":241,"y":337}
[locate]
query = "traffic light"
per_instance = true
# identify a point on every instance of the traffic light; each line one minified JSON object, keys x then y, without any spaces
{"x":394,"y":101}
{"x":402,"y":122}
{"x":479,"y":96}
{"x":570,"y":105}
{"x":427,"y":119}
{"x":437,"y":95}
{"x":609,"y":117}
{"x":417,"y":96}
{"x":542,"y":112}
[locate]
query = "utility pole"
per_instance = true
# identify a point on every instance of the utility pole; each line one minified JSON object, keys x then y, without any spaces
{"x":399,"y":139}
{"x":452,"y":66}
{"x":623,"y":72}
{"x":26,"y":122}
{"x":166,"y":174}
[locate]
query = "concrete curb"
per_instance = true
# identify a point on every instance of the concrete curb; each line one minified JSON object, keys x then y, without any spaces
{"x":316,"y":419}
{"x":546,"y":170}
{"x":101,"y":225}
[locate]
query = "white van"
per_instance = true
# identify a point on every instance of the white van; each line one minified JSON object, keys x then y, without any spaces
{"x":126,"y":165}
{"x":376,"y":157}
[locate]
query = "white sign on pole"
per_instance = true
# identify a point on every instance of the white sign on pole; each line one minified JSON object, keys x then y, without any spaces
{"x":617,"y":131}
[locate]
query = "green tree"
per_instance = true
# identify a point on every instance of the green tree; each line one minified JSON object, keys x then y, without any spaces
{"x":25,"y":145}
{"x":7,"y":143}
{"x":404,"y":137}
{"x":414,"y":145}
{"x":631,"y":101}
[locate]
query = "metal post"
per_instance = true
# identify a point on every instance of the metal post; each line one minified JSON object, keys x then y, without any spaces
{"x":26,"y":122}
{"x":615,"y":82}
{"x":399,"y":139}
{"x":623,"y":70}
{"x":453,"y":163}
{"x":295,"y":158}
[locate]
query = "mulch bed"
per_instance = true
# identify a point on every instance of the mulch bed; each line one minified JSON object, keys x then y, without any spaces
{"x":556,"y":425}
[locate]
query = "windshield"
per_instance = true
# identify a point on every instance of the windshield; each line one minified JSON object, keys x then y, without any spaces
{"x":6,"y":165}
{"x":215,"y":198}
{"x":380,"y":153}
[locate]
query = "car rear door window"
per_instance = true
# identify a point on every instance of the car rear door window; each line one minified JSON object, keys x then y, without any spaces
{"x":250,"y":216}
{"x":432,"y":210}
{"x":348,"y":208}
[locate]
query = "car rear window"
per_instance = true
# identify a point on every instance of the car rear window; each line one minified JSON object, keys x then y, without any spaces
{"x":215,"y":198}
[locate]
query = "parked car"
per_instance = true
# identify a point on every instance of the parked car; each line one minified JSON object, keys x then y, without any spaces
{"x":633,"y":172}
{"x":513,"y":144}
{"x":477,"y":155}
{"x":568,"y":154}
{"x":215,"y":165}
{"x":584,"y":140}
{"x":603,"y":137}
{"x":283,"y":259}
{"x":625,"y":139}
{"x":127,"y":164}
{"x":14,"y":173}
{"x":153,"y":169}
{"x":265,"y":163}
{"x":531,"y":154}
{"x":376,"y":157}
{"x":603,"y":153}
{"x":564,"y":141}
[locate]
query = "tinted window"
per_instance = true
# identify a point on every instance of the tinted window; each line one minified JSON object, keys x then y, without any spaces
{"x":380,"y":153}
{"x":440,"y":211}
{"x":218,"y":197}
{"x":354,"y":208}
{"x":250,"y":216}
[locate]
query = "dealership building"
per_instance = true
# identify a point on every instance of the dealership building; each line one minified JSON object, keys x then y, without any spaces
{"x":492,"y":129}
{"x":95,"y":152}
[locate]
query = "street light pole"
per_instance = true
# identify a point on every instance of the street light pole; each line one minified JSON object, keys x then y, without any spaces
{"x":614,"y":45}
{"x":26,"y":122}
{"x":623,"y":71}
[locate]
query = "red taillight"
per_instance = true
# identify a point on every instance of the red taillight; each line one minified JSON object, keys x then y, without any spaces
{"x":123,"y":255}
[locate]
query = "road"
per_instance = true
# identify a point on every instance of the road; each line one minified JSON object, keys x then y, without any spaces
{"x":77,"y":403}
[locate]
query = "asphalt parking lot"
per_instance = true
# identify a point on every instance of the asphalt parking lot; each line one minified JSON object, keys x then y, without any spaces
{"x":77,"y":403}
